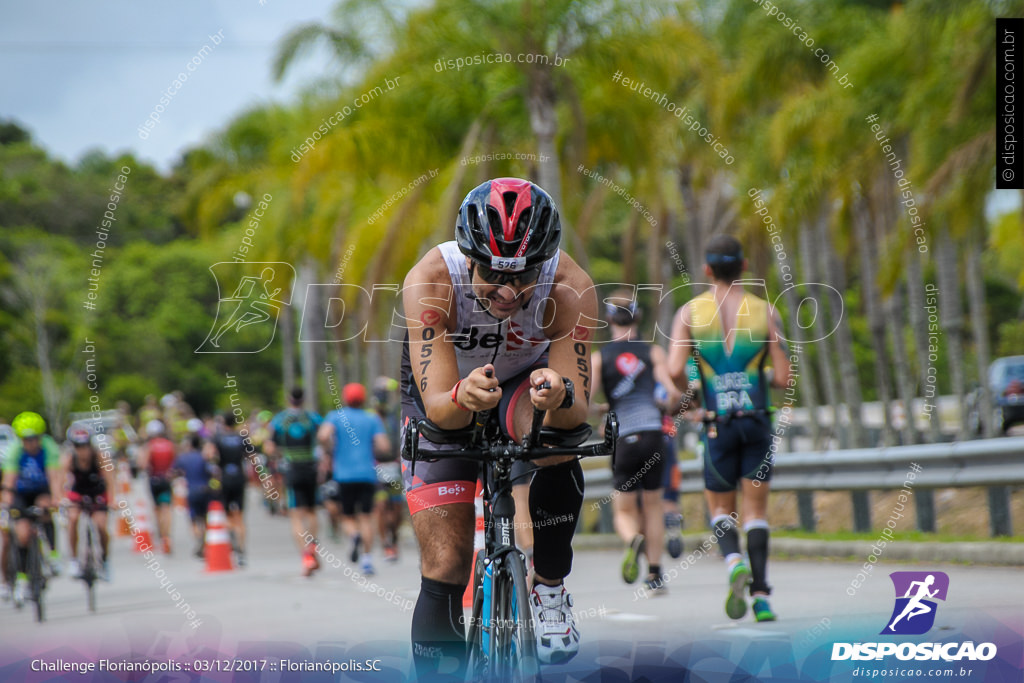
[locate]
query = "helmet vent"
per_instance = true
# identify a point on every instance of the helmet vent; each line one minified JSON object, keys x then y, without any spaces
{"x":510,"y":202}
{"x":497,"y":224}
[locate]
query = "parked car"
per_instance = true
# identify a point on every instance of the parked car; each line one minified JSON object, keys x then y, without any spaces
{"x":1006,"y":382}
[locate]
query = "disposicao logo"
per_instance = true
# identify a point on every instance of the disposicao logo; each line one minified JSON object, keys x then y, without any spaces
{"x":914,"y":614}
{"x":916,"y":592}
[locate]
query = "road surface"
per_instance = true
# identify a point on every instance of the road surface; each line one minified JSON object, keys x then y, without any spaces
{"x":268,"y":610}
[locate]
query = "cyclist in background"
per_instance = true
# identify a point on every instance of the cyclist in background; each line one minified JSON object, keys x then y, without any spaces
{"x":156,"y":460}
{"x":32,"y":478}
{"x":732,"y":334}
{"x":627,"y":369}
{"x":228,"y":453}
{"x":351,"y":437}
{"x":500,"y":319}
{"x":88,"y":486}
{"x":293,"y":432}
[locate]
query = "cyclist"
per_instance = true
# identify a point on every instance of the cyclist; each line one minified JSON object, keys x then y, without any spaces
{"x":32,"y":478}
{"x":227,"y":450}
{"x":293,"y":431}
{"x":87,"y":481}
{"x":627,"y":369}
{"x":351,"y":437}
{"x":156,"y":460}
{"x":492,"y":316}
{"x":732,"y":334}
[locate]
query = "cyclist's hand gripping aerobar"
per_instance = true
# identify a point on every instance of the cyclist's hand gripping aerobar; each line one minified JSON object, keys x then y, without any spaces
{"x":479,"y":390}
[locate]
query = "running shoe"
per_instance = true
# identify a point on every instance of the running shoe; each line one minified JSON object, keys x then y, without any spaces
{"x":241,"y":558}
{"x":105,"y":571}
{"x":762,"y":610}
{"x":366,"y":565}
{"x":166,"y":546}
{"x":735,"y":603}
{"x":558,"y":639}
{"x":655,"y":586}
{"x":74,"y":569}
{"x":631,"y":563}
{"x":673,"y":534}
{"x":309,"y":563}
{"x":390,"y":553}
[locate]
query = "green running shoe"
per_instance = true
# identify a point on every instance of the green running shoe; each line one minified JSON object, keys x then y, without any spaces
{"x":631,"y":563}
{"x":735,"y":603}
{"x":762,"y":610}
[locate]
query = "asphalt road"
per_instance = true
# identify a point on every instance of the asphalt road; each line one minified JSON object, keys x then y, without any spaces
{"x":269,"y":609}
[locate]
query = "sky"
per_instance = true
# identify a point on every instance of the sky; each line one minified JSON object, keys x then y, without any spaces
{"x":83,"y":76}
{"x":86,"y":75}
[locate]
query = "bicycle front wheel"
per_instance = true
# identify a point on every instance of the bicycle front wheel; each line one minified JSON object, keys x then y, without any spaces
{"x":89,"y":567}
{"x":36,"y":580}
{"x":524,"y":636}
{"x":515,"y":650}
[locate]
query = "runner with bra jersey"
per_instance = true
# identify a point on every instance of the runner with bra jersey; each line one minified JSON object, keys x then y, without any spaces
{"x":492,"y":317}
{"x":732,"y":335}
{"x":627,"y":369}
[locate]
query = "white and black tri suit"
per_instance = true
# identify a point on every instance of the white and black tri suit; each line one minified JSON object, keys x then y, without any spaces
{"x":514,"y":346}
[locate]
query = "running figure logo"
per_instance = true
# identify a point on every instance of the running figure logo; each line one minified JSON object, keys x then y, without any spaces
{"x":914,"y":612}
{"x":246,"y":320}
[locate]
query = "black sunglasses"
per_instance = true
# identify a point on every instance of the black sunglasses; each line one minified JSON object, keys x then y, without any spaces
{"x":499,"y":277}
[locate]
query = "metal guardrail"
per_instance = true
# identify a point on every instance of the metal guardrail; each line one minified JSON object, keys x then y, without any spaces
{"x":996,"y":464}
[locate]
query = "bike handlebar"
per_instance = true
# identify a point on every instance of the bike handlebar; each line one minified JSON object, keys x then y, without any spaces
{"x":530,"y":449}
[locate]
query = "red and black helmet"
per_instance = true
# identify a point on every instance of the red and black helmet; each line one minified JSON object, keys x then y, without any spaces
{"x":508,"y":224}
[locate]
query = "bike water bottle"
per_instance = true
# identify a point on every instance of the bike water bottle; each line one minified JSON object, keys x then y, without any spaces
{"x":485,"y":612}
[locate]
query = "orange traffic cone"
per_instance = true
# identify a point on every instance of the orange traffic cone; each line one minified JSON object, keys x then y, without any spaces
{"x":143,"y":535}
{"x":179,"y":487}
{"x":218,"y":545}
{"x":478,"y":542}
{"x":124,"y":490}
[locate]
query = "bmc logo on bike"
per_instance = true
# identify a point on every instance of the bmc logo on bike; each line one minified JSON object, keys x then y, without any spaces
{"x":916,"y":592}
{"x":450,"y":490}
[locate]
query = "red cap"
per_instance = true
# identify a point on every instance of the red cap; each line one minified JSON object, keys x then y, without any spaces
{"x":354,"y":394}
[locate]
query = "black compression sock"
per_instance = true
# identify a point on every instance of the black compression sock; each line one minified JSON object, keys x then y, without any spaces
{"x":757,"y":550}
{"x":438,"y":632}
{"x":556,"y":496}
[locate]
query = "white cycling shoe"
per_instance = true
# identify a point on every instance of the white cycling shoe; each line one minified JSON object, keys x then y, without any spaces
{"x":558,"y":639}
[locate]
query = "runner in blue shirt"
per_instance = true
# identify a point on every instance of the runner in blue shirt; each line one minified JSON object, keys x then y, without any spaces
{"x":352,"y":437}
